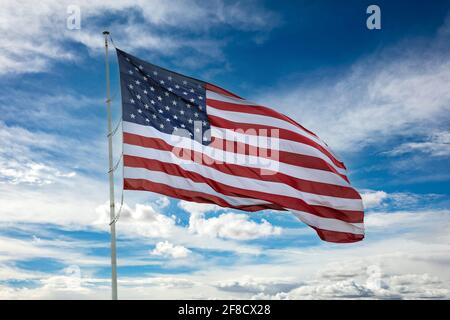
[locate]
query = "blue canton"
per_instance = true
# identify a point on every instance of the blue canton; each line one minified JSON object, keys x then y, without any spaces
{"x":168,"y":101}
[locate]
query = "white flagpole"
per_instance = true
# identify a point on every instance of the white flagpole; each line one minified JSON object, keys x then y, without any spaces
{"x":112,"y":213}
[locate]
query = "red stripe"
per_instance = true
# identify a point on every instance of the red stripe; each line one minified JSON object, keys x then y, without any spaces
{"x":279,"y":200}
{"x":212,"y":87}
{"x":338,"y":237}
{"x":188,"y":195}
{"x":295,"y":159}
{"x":244,"y":171}
{"x":261,"y":110}
{"x":283,"y":134}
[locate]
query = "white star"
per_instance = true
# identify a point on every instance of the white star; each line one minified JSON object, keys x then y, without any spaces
{"x":175,"y":117}
{"x":139,"y":110}
{"x":204,"y":123}
{"x":132,"y":100}
{"x":190,"y":120}
{"x":181,"y":111}
{"x":130,"y":86}
{"x":174,"y":102}
{"x":166,"y":93}
{"x":137,"y":82}
{"x":170,"y":89}
{"x":132,"y":116}
{"x":160,"y":111}
{"x":159,"y":98}
{"x":192,"y":90}
{"x":170,"y":78}
{"x":188,"y":105}
{"x":151,"y":88}
{"x":146,"y":106}
{"x":192,"y":100}
{"x":184,"y":82}
{"x":177,"y":87}
{"x":147,"y":120}
{"x":196,"y":114}
{"x":130,"y":72}
{"x":168,"y":120}
{"x":200,"y":107}
{"x":141,"y":67}
{"x":155,"y":73}
{"x":145,"y":91}
{"x":185,"y":93}
{"x":162,"y":81}
{"x":138,"y":96}
{"x":167,"y":108}
{"x":183,"y":126}
{"x":145,"y":78}
{"x":200,"y":97}
{"x":152,"y":101}
{"x":154,"y":116}
{"x":161,"y":125}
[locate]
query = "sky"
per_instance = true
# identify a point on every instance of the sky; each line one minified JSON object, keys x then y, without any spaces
{"x":379,"y":98}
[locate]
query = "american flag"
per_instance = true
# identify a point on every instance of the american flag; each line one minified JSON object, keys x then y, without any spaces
{"x":192,"y":140}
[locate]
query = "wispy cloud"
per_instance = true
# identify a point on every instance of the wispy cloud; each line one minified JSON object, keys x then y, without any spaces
{"x":35,"y":36}
{"x":399,"y":92}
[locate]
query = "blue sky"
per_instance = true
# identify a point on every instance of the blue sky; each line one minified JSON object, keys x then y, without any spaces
{"x":379,"y":98}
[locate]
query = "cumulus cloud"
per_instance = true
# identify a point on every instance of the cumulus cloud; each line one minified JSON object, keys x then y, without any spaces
{"x":232,"y":226}
{"x":266,"y":286}
{"x":194,"y":207}
{"x":373,"y":198}
{"x":374,"y":286}
{"x":143,"y":220}
{"x":167,"y":249}
{"x":226,"y":225}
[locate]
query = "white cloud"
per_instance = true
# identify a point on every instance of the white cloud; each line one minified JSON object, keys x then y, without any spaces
{"x":168,"y":249}
{"x":373,"y":198}
{"x":144,"y":220}
{"x":227,"y":225}
{"x":195,"y":207}
{"x":232,"y":226}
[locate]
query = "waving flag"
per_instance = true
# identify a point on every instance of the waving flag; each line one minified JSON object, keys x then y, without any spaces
{"x":192,"y":140}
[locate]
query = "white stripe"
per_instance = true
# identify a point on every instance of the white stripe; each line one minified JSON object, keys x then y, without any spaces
{"x":231,"y":180}
{"x":303,"y":173}
{"x":187,"y":184}
{"x":260,"y":119}
{"x":220,"y":97}
{"x":283,"y":145}
{"x":328,"y":223}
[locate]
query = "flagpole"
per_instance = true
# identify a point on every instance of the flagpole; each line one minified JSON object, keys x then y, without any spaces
{"x":112,"y":213}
